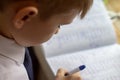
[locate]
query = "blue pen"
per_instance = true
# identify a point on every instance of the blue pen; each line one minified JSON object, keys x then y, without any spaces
{"x":80,"y":68}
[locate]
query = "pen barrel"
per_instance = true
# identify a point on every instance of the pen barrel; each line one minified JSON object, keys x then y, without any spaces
{"x":74,"y":71}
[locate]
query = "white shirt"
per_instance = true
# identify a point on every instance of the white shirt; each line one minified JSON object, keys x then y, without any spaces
{"x":11,"y":60}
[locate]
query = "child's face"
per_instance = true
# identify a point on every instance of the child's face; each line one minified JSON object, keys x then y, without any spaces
{"x":36,"y":31}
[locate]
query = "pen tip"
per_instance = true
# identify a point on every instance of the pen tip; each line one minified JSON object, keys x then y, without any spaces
{"x":82,"y":67}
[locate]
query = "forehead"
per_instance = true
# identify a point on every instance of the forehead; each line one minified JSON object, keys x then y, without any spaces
{"x":68,"y":16}
{"x":70,"y":12}
{"x":63,"y":18}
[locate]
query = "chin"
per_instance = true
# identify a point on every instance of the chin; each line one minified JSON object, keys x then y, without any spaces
{"x":29,"y":44}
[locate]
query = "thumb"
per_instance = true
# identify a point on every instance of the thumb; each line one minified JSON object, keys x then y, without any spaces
{"x":61,"y":74}
{"x":72,"y":77}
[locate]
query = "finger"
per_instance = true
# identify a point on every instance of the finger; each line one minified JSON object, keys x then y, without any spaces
{"x":72,"y":78}
{"x":76,"y":74}
{"x":61,"y":72}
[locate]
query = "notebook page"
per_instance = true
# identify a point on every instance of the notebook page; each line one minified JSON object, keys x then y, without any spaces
{"x":94,"y":30}
{"x":101,"y":63}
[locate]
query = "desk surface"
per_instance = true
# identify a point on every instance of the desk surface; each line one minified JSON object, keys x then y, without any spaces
{"x":113,"y":5}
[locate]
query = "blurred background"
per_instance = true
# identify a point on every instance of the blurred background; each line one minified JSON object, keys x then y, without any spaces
{"x":113,"y":7}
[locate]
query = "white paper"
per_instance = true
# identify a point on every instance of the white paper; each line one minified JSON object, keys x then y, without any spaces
{"x":101,"y":63}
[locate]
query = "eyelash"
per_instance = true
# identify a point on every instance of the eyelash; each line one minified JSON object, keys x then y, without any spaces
{"x":59,"y":26}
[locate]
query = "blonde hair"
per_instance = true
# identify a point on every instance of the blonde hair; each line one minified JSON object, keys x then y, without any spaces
{"x":49,"y":8}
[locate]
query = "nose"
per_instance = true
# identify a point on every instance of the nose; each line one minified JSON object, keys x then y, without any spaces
{"x":57,"y":29}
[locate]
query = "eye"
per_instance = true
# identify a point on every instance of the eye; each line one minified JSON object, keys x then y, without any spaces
{"x":59,"y":26}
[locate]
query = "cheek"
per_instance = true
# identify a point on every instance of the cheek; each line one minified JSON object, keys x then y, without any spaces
{"x":31,"y":40}
{"x":67,"y":20}
{"x":34,"y":33}
{"x":31,"y":37}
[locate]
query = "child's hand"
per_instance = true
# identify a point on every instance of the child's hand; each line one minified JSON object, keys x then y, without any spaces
{"x":61,"y":75}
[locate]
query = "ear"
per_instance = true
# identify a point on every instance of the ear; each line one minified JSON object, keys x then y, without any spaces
{"x":23,"y":15}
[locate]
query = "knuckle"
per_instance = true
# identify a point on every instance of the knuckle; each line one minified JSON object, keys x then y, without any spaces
{"x":60,"y":70}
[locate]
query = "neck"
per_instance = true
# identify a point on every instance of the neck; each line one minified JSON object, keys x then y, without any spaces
{"x":5,"y":32}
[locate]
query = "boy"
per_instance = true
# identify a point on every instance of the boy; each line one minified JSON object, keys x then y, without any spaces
{"x":26,"y":23}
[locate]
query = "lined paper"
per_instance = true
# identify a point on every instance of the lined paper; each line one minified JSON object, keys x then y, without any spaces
{"x":101,"y":63}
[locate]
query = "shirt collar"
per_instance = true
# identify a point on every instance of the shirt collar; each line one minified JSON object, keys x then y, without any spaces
{"x":10,"y":49}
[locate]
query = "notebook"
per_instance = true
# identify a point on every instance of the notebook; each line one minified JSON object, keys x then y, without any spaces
{"x":91,"y":42}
